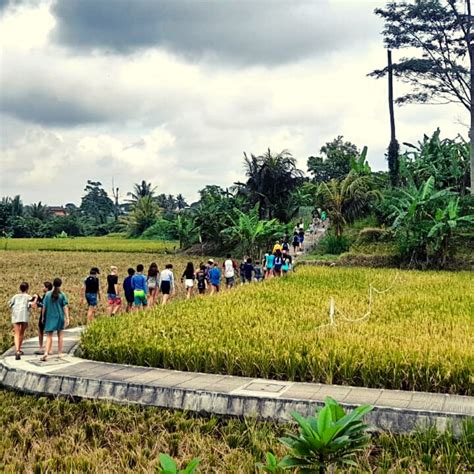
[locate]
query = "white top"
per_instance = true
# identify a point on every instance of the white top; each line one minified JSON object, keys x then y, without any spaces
{"x":229,"y":268}
{"x":21,"y":308}
{"x":167,"y":275}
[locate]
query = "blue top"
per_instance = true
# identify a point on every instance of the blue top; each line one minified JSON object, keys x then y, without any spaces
{"x":270,"y":260}
{"x":55,"y":311}
{"x":139,"y":282}
{"x":127,"y":286}
{"x":215,"y":276}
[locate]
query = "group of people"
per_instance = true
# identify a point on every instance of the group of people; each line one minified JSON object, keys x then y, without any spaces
{"x":140,"y":289}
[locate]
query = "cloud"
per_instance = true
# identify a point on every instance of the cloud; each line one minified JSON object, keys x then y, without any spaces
{"x":233,"y":31}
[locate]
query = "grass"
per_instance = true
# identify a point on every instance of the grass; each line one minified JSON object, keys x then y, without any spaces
{"x":419,"y":336}
{"x":90,"y":244}
{"x":44,"y":435}
{"x":72,"y":267}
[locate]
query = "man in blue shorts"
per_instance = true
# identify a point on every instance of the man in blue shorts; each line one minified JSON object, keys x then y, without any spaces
{"x":140,"y":289}
{"x":92,"y":292}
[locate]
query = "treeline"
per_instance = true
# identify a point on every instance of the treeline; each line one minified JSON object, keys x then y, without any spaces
{"x":423,"y":214}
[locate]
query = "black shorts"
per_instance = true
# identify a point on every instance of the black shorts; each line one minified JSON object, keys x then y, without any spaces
{"x":130,"y":298}
{"x":202,"y":290}
{"x":165,"y":287}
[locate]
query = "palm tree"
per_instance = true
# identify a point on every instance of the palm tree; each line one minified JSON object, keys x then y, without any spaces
{"x":271,"y":180}
{"x":38,"y":210}
{"x":181,"y":202}
{"x":346,"y":199}
{"x":144,"y":214}
{"x":141,"y":190}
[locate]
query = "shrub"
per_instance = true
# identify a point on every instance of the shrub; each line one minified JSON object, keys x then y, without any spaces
{"x":373,"y":234}
{"x":330,"y":244}
{"x":162,"y":229}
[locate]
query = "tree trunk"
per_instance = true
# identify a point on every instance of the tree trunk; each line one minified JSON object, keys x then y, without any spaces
{"x":393,"y":148}
{"x":471,"y":90}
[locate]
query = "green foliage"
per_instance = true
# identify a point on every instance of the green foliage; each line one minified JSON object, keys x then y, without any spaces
{"x":96,"y":203}
{"x":185,"y":229}
{"x":249,"y":235}
{"x":334,"y":245}
{"x":143,"y":215}
{"x":359,"y":163}
{"x":169,"y":465}
{"x":272,"y":465}
{"x":141,"y":190}
{"x":162,"y":229}
{"x":347,"y":199}
{"x":445,"y":159}
{"x":425,"y":221}
{"x":330,"y":438}
{"x":436,"y":33}
{"x":272,"y":180}
{"x":334,"y":162}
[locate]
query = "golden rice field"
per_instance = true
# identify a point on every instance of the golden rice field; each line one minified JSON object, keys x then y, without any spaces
{"x":72,"y":268}
{"x":420,"y":335}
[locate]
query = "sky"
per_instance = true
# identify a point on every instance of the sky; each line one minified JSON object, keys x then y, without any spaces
{"x":175,"y":91}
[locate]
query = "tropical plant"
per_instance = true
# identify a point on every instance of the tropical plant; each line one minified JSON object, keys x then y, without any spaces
{"x":359,"y":163}
{"x":273,"y":464}
{"x":144,"y":213}
{"x":347,"y":199}
{"x":334,"y":161}
{"x":141,"y":190}
{"x":185,"y":229}
{"x":169,"y":466}
{"x":250,"y":235}
{"x":447,"y":160}
{"x":330,"y":438}
{"x":271,"y":180}
{"x":38,"y":211}
{"x":96,"y":204}
{"x":424,"y":220}
{"x":446,"y":222}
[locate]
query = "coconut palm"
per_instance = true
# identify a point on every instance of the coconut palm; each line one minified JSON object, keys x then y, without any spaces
{"x":141,"y":190}
{"x":38,"y":210}
{"x":346,"y":199}
{"x":271,"y":180}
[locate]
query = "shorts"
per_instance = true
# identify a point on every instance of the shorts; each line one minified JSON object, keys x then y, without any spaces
{"x":201,"y":290}
{"x":229,"y":281}
{"x":129,"y":297}
{"x":277,"y":268}
{"x":165,"y":287}
{"x":269,"y":267}
{"x":188,"y":283}
{"x":216,"y":286}
{"x":139,"y":298}
{"x":91,"y":299}
{"x":113,"y":299}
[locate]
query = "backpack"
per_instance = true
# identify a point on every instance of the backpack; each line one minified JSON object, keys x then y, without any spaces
{"x":285,"y":246}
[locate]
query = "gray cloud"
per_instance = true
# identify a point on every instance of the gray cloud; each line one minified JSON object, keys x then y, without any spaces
{"x":234,"y":31}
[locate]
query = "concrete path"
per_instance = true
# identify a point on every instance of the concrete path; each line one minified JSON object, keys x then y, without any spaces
{"x":395,"y":410}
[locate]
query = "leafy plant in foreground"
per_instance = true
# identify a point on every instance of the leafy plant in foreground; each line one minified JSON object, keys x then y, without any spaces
{"x":169,"y":466}
{"x":330,"y":438}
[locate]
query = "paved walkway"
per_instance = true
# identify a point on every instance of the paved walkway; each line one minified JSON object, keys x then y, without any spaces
{"x":397,"y":411}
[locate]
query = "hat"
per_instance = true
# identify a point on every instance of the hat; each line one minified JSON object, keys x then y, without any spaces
{"x":210,"y":260}
{"x":95,"y":270}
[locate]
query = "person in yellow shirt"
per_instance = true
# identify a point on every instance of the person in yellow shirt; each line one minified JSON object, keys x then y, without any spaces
{"x":277,"y":247}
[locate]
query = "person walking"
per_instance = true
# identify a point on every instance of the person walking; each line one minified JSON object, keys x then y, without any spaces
{"x":166,"y":283}
{"x":55,"y":306}
{"x":47,"y":286}
{"x":91,"y":292}
{"x":270,"y":262}
{"x":296,"y":242}
{"x":20,"y":305}
{"x":278,"y":263}
{"x":215,"y":278}
{"x":188,"y":278}
{"x":201,"y":279}
{"x":140,"y":289}
{"x":152,"y":282}
{"x":301,"y":238}
{"x":230,"y":269}
{"x":249,"y":270}
{"x":113,"y":294}
{"x":128,"y":289}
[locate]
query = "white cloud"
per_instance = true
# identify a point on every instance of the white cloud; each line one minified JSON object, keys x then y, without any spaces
{"x":71,"y":116}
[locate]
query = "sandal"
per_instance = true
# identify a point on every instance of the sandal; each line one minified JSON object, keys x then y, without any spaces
{"x":17,"y":356}
{"x":44,"y":358}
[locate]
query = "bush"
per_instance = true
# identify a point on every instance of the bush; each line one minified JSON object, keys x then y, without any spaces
{"x":333,"y":245}
{"x":162,"y":229}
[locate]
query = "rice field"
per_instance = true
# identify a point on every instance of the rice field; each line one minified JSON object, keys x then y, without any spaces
{"x":72,"y":267}
{"x":90,"y":244}
{"x":419,"y":335}
{"x":45,"y":435}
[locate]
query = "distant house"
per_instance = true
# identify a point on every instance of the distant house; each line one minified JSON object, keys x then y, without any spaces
{"x":57,"y":211}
